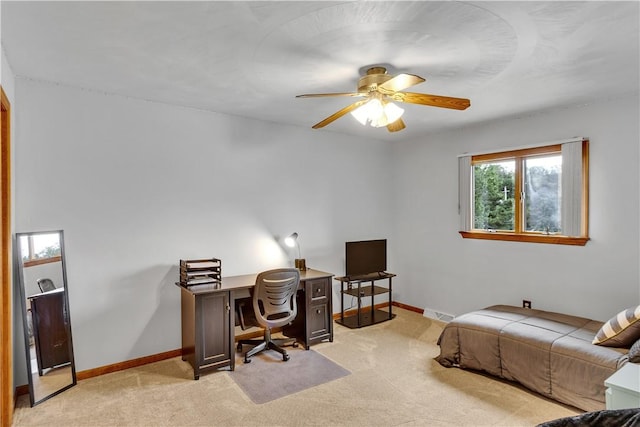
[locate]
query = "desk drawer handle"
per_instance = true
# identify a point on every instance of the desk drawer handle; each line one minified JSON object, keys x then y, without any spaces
{"x":318,"y":311}
{"x":319,"y":290}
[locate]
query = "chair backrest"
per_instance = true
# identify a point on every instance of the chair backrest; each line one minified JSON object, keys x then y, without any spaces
{"x":274,"y":297}
{"x":46,"y":285}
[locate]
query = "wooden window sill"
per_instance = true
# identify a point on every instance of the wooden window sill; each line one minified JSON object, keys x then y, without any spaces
{"x":529,"y":238}
{"x":39,"y":261}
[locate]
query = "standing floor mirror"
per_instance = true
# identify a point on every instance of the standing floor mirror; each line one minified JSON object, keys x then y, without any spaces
{"x":44,"y":294}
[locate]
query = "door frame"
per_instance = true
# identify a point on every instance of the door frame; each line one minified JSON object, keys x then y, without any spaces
{"x":6,"y":334}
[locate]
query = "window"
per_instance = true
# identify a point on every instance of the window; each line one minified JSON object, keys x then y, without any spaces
{"x":40,"y":249}
{"x":535,"y":194}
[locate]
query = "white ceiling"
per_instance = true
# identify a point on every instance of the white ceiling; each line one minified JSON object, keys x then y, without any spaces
{"x":250,"y":59}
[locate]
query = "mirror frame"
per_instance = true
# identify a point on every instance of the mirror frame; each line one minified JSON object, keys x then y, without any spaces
{"x":23,"y":302}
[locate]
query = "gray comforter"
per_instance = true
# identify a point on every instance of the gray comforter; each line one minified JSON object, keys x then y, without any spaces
{"x":550,"y":353}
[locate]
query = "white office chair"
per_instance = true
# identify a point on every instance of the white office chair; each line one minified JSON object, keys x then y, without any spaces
{"x":46,"y":285}
{"x":274,"y":305}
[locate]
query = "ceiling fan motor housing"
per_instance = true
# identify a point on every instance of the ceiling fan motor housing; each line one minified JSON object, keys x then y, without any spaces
{"x":375,"y":76}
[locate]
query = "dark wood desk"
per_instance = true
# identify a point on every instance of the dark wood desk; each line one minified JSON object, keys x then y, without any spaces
{"x":208,"y":323}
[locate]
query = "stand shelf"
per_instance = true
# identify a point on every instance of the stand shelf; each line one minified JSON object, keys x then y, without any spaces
{"x":355,"y":288}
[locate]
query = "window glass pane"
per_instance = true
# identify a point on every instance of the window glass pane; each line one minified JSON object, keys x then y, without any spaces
{"x":542,"y":193}
{"x":46,"y":245}
{"x":493,"y":203}
{"x":24,"y":246}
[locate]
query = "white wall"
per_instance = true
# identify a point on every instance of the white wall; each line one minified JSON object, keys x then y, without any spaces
{"x":441,"y":271}
{"x":136,"y":186}
{"x":7,"y":77}
{"x":50,"y":270}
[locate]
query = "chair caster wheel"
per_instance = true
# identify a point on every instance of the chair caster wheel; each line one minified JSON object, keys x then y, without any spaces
{"x":285,"y":357}
{"x":295,"y":344}
{"x":239,"y":348}
{"x":247,"y":360}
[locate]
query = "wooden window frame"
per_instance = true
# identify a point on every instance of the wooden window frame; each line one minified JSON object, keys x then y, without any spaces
{"x":39,"y":261}
{"x":519,"y":234}
{"x":31,"y":261}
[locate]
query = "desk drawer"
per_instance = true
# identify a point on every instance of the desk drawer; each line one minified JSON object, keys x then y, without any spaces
{"x":315,"y":317}
{"x":318,"y":290}
{"x":318,"y":322}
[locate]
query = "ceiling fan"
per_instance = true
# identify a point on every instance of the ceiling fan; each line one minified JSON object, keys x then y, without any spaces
{"x":379,"y":89}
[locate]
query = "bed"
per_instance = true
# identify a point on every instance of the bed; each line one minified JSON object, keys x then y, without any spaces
{"x":604,"y":418}
{"x":549,"y":353}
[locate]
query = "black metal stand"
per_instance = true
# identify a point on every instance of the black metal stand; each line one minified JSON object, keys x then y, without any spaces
{"x":360,"y":291}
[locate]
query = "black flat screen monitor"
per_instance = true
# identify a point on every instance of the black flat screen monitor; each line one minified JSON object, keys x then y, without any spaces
{"x":364,"y":257}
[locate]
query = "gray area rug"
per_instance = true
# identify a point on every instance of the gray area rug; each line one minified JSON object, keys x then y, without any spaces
{"x":267,"y":377}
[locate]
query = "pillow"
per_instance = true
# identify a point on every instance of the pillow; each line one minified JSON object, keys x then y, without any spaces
{"x":622,"y":330}
{"x":634,"y":352}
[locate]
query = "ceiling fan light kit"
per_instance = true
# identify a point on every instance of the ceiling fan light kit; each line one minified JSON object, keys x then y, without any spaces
{"x":379,"y":88}
{"x":377,"y":113}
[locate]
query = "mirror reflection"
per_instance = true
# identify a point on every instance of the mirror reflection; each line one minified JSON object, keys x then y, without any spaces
{"x":44,"y":295}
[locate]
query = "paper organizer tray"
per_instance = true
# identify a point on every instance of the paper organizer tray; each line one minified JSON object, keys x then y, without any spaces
{"x":200,"y":271}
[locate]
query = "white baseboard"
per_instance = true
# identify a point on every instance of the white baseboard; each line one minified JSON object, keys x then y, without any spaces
{"x":433,"y":314}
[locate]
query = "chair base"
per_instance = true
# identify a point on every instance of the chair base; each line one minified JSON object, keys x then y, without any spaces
{"x":267,"y":343}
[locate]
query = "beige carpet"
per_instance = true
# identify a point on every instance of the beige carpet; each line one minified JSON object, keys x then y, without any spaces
{"x":394,"y":381}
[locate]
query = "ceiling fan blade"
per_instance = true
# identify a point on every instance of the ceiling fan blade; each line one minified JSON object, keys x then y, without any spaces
{"x":322,"y":95}
{"x":433,"y":100}
{"x":337,"y":115}
{"x":396,"y":126}
{"x":399,"y":82}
